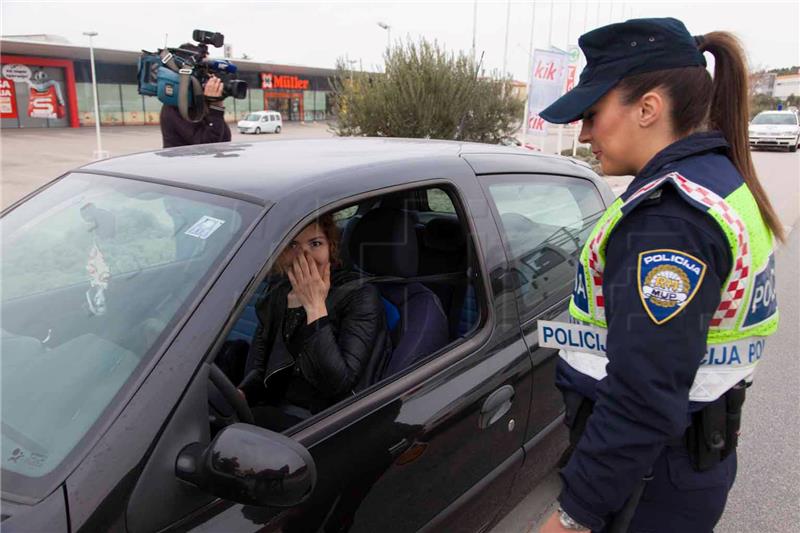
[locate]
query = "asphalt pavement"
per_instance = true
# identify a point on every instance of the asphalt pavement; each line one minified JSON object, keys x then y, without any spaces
{"x":766,"y":496}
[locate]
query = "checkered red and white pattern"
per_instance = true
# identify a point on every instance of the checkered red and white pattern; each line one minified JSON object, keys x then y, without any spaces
{"x":733,"y":294}
{"x":596,"y":266}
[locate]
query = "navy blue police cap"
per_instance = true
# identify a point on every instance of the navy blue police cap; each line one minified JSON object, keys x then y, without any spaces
{"x":620,"y":50}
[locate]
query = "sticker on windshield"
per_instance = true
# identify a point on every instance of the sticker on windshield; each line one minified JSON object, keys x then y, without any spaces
{"x":203,"y":228}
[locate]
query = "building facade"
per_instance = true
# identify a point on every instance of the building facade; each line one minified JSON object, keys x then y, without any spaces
{"x":46,"y":85}
{"x":786,"y":86}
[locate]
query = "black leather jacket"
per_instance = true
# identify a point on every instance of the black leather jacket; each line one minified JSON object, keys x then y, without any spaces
{"x":341,"y":354}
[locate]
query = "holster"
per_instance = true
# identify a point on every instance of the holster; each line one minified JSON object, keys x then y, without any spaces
{"x":714,"y":431}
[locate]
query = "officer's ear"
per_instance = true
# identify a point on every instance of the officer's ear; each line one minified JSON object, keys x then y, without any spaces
{"x":651,"y":109}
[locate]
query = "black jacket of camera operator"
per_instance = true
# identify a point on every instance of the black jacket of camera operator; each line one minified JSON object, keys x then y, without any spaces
{"x":176,"y":131}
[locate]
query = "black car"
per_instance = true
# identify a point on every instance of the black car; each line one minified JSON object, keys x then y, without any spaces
{"x":124,"y":281}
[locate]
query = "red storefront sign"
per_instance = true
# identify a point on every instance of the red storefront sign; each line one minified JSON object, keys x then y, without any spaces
{"x":274,"y":81}
{"x":69,"y":107}
{"x":43,"y":102}
{"x":8,"y":99}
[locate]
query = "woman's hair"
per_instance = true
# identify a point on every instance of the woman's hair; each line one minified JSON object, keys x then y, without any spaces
{"x":331,"y":231}
{"x":698,"y":103}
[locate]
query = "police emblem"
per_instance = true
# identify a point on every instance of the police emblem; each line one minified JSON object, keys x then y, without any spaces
{"x":668,"y":280}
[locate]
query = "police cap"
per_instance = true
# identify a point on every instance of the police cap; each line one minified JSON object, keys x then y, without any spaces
{"x":620,"y":50}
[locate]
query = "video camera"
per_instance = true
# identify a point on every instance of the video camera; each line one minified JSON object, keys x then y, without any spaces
{"x":177,"y":75}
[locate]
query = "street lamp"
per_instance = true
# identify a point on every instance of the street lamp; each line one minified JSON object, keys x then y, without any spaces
{"x":99,"y":153}
{"x":388,"y":33}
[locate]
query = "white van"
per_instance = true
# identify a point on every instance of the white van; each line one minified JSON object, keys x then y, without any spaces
{"x":261,"y":122}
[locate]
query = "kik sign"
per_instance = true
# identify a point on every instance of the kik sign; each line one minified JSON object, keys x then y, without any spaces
{"x":546,"y":85}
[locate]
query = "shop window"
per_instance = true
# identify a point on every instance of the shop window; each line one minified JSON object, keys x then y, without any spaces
{"x":152,"y":110}
{"x":108,"y":95}
{"x":132,"y":106}
{"x":85,"y":103}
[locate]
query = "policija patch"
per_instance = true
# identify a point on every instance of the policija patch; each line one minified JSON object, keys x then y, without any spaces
{"x":667,"y":281}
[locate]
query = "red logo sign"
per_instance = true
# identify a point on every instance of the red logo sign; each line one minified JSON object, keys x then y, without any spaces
{"x":536,"y":123}
{"x":44,"y":103}
{"x":545,"y":71}
{"x":571,"y":70}
{"x":274,"y":81}
{"x":8,"y":99}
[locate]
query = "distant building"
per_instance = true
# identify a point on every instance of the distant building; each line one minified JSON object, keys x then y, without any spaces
{"x":763,"y":83}
{"x":787,"y":85}
{"x":46,"y":83}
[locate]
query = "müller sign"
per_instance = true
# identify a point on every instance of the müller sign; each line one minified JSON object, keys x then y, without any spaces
{"x":275,"y":81}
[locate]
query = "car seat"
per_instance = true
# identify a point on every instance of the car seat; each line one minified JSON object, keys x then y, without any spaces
{"x":383,"y":242}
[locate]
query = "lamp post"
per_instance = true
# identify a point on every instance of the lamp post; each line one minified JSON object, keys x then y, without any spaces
{"x":388,"y":29}
{"x":98,"y":153}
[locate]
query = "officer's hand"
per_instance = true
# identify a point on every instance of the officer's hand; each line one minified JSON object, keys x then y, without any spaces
{"x":213,"y":88}
{"x":553,"y":525}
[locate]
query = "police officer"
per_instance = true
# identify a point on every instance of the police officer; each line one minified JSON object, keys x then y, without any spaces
{"x":677,"y":277}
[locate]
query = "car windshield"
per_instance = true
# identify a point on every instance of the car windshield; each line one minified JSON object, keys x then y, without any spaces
{"x":95,"y":270}
{"x":253,"y":117}
{"x":783,"y":119}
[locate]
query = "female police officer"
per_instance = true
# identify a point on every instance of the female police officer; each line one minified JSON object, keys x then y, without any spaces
{"x":678,"y":272}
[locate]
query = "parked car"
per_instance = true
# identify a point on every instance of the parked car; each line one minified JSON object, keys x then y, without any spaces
{"x":123,"y":281}
{"x":775,"y":129}
{"x":261,"y":122}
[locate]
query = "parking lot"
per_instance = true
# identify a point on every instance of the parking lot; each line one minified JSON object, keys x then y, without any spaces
{"x":32,"y":157}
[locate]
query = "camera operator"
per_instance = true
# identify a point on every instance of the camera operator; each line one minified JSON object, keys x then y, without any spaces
{"x":177,"y":131}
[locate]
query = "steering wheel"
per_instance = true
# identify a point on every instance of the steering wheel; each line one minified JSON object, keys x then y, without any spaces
{"x":230,"y":394}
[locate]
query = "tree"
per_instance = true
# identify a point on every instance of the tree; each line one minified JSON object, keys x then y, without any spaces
{"x":425,"y":92}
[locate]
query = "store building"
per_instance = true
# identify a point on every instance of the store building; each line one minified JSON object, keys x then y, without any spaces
{"x":46,"y":84}
{"x":787,"y":85}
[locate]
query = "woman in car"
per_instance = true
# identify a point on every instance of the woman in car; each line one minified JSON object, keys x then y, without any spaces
{"x":322,"y":333}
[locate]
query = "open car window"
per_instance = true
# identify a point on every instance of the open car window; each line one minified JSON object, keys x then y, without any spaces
{"x":437,"y":306}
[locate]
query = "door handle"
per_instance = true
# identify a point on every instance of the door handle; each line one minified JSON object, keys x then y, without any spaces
{"x":496,"y":405}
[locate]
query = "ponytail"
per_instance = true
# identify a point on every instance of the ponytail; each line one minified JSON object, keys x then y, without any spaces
{"x":698,"y":103}
{"x":729,"y":113}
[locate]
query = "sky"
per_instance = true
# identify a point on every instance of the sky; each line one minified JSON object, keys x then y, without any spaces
{"x":317,"y":33}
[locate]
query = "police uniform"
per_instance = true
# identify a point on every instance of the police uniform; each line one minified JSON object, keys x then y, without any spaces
{"x":674,"y":297}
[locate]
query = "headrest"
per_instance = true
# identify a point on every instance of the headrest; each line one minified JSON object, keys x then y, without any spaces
{"x":443,"y":234}
{"x":384,"y":243}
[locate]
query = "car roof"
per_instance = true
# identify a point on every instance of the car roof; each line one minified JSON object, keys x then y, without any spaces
{"x":267,"y":170}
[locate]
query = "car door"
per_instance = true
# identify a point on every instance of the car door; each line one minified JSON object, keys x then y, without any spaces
{"x":544,"y":220}
{"x":434,"y":448}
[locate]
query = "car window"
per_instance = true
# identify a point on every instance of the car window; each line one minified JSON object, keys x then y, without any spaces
{"x":439,"y":202}
{"x":252,"y":117}
{"x":94,"y":270}
{"x":545,"y":222}
{"x":784,"y":119}
{"x":435,"y":313}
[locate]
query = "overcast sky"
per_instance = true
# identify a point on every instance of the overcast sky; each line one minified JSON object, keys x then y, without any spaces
{"x":317,"y":33}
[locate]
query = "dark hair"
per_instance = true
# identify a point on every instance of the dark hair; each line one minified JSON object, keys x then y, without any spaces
{"x":698,"y":103}
{"x":329,"y":228}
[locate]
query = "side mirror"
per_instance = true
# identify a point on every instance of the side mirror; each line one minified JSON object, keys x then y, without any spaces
{"x":250,"y":465}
